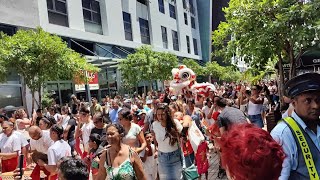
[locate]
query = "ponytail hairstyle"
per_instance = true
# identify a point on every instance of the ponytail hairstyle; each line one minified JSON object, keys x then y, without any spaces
{"x":126,"y":114}
{"x":58,"y":129}
{"x":171,"y":128}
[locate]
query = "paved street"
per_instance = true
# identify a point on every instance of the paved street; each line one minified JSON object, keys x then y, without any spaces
{"x":214,"y":167}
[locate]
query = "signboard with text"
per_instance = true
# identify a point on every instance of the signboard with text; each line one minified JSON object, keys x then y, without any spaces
{"x":93,"y":82}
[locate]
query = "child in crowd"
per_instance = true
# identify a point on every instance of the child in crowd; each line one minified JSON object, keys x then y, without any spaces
{"x":202,"y":159}
{"x":149,"y":159}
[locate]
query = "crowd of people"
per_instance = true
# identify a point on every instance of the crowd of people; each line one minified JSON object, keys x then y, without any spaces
{"x":148,"y":137}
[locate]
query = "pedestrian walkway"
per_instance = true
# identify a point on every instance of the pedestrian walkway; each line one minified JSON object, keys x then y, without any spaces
{"x":214,"y":167}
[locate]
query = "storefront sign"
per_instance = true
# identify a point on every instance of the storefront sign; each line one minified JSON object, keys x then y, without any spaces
{"x":93,"y":82}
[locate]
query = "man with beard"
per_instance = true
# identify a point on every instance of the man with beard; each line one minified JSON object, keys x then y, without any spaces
{"x":299,"y":135}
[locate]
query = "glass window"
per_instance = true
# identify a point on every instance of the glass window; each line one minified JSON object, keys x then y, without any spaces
{"x":172,"y":10}
{"x":10,"y":96}
{"x":142,"y":2}
{"x":95,"y":6}
{"x":184,"y":2}
{"x":164,"y":37}
{"x":144,"y":31}
{"x":161,"y":6}
{"x":86,"y":4}
{"x":11,"y":90}
{"x":96,"y":17}
{"x":193,"y":22}
{"x":127,"y":26}
{"x":188,"y":44}
{"x":57,"y":12}
{"x":50,"y":4}
{"x":195,"y":46}
{"x":86,"y":15}
{"x":185,"y":18}
{"x":192,"y":9}
{"x":61,"y":6}
{"x":175,"y":40}
{"x":91,"y":11}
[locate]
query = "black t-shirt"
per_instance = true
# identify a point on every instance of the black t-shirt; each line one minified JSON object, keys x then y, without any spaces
{"x":72,"y":122}
{"x":102,"y":132}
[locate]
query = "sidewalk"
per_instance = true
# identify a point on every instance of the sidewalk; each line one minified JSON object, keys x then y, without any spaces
{"x":214,"y":168}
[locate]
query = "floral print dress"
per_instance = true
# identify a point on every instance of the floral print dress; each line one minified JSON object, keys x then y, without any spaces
{"x":124,"y":172}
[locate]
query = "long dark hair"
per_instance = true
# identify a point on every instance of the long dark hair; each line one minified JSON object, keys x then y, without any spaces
{"x":171,"y":128}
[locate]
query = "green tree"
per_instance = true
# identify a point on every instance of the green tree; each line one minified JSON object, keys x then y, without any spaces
{"x":166,"y":62}
{"x":192,"y":64}
{"x":268,"y":29}
{"x":39,"y":56}
{"x":222,"y":73}
{"x":147,"y":65}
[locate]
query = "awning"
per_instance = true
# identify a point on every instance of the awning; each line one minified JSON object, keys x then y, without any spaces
{"x":102,"y":61}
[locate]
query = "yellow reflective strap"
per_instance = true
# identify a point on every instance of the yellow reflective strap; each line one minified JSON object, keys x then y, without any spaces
{"x":304,"y":147}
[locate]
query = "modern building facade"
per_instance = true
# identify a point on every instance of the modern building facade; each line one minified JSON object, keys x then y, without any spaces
{"x":106,"y":31}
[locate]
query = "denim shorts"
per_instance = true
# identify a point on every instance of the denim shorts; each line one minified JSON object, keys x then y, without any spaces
{"x":256,"y":119}
{"x":170,"y":165}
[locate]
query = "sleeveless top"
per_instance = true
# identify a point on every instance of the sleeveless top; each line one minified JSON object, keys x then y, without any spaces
{"x":254,"y":109}
{"x":125,"y":170}
{"x":302,"y":173}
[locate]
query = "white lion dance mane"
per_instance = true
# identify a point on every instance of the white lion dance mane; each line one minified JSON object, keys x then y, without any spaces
{"x":184,"y":81}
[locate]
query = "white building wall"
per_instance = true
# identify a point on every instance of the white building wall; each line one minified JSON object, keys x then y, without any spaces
{"x":112,"y":24}
{"x":23,"y":13}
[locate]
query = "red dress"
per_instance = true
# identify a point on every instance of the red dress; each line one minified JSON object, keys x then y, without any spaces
{"x":201,"y":158}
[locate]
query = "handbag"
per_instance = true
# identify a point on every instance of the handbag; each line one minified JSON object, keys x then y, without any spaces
{"x":188,"y":173}
{"x":195,"y":136}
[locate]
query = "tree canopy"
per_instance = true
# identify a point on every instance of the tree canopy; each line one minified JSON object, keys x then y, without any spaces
{"x":39,"y":56}
{"x":147,"y":65}
{"x":196,"y":68}
{"x":260,"y":30}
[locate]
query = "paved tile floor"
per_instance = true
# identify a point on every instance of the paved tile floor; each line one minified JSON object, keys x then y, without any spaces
{"x":213,"y":168}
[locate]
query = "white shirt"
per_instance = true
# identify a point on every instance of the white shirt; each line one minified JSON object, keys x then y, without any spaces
{"x":22,"y":138}
{"x":65,"y":121}
{"x":160,"y":132}
{"x":42,"y":145}
{"x":150,"y":165}
{"x":206,"y":111}
{"x":254,"y":109}
{"x":57,"y":117}
{"x":10,"y":144}
{"x":86,"y":130}
{"x":58,"y":150}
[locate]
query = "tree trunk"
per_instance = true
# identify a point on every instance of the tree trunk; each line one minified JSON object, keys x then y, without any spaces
{"x":24,"y":93}
{"x":40,"y":98}
{"x":32,"y":107}
{"x":151,"y":85}
{"x":281,"y":76}
{"x":292,"y":72}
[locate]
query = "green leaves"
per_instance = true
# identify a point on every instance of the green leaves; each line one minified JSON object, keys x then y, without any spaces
{"x":196,"y":68}
{"x":148,"y":65}
{"x":259,"y":30}
{"x":39,"y":57}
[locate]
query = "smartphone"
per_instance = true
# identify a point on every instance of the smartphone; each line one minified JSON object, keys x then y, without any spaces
{"x":20,"y":165}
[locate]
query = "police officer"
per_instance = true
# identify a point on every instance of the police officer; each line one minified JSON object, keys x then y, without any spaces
{"x":299,"y":135}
